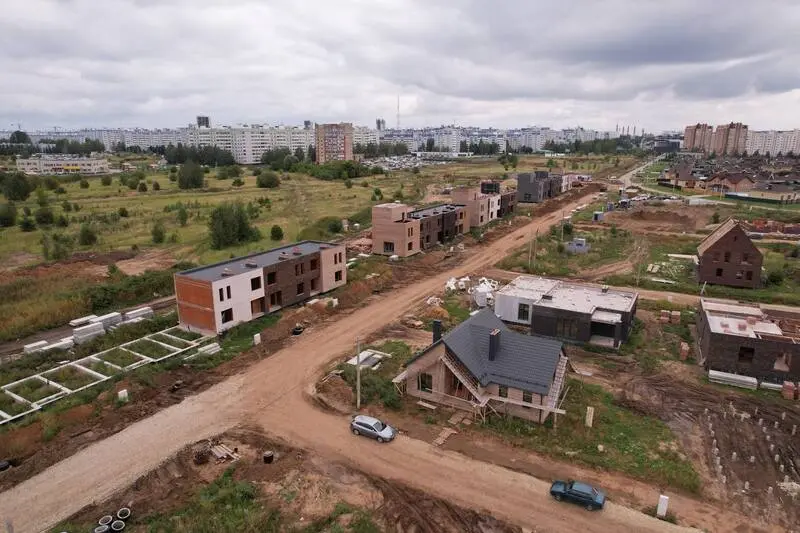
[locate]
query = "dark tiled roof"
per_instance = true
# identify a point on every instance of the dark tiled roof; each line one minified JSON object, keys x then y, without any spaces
{"x":523,"y":361}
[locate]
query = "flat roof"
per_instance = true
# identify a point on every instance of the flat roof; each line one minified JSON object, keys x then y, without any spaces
{"x":259,"y":259}
{"x":434,"y":210}
{"x":750,"y":321}
{"x":578,"y":297}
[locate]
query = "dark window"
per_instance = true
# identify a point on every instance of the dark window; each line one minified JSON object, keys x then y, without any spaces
{"x":739,"y":274}
{"x":410,"y":246}
{"x":276,"y":298}
{"x":410,"y":232}
{"x":229,"y":291}
{"x":749,"y":275}
{"x":337,"y":276}
{"x":271,"y":278}
{"x":221,"y":295}
{"x":255,"y":283}
{"x":727,"y":257}
{"x":502,"y":391}
{"x":388,"y":247}
{"x":314,"y":264}
{"x":340,"y":257}
{"x":527,"y":397}
{"x":746,"y":354}
{"x":300,"y":288}
{"x":299,"y":269}
{"x":425,"y":382}
{"x":314,"y":284}
{"x":427,"y":238}
{"x":745,"y":258}
{"x":524,"y":312}
{"x":527,"y":196}
{"x":719,"y":272}
{"x":227,"y":316}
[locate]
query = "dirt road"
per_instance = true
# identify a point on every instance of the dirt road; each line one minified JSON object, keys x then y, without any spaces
{"x":273,"y":394}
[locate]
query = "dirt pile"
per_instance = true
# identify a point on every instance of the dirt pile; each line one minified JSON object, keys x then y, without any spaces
{"x":335,"y":394}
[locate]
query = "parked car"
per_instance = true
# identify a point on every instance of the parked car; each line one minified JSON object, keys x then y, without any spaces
{"x":577,"y":492}
{"x":372,"y":427}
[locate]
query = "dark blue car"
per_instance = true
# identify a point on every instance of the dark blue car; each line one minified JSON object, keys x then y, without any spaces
{"x":577,"y":492}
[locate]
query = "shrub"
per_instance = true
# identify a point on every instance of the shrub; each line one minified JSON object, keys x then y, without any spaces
{"x":276,"y":233}
{"x":8,"y":215}
{"x":256,"y":171}
{"x":44,"y":216}
{"x":158,"y":233}
{"x":268,"y":180}
{"x":66,"y":206}
{"x":56,"y":246}
{"x":27,"y":224}
{"x":76,"y":207}
{"x":173,"y":177}
{"x":142,"y":187}
{"x":237,"y":182}
{"x":86,"y":235}
{"x":229,"y":224}
{"x":348,"y":183}
{"x":156,"y":186}
{"x":84,"y":183}
{"x":61,"y":190}
{"x":122,"y":212}
{"x":26,"y":211}
{"x":365,"y":184}
{"x":775,"y":277}
{"x":183,"y":215}
{"x":715,"y":217}
{"x":335,"y":226}
{"x":105,"y":180}
{"x":62,"y":221}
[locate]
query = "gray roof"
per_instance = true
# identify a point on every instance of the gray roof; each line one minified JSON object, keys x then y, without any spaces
{"x":435,"y":210}
{"x":523,"y":361}
{"x":260,"y":259}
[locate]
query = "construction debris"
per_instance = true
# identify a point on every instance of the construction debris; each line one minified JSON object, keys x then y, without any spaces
{"x":434,"y":300}
{"x":734,"y":380}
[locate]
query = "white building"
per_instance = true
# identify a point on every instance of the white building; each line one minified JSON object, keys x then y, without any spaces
{"x":774,"y":142}
{"x":364,"y":135}
{"x":45,"y":164}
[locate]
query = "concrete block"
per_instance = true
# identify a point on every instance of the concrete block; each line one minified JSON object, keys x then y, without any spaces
{"x":589,"y":416}
{"x":663,"y":503}
{"x":34,"y":347}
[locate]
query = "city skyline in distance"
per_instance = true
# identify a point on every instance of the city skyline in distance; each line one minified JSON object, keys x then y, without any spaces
{"x":159,"y":64}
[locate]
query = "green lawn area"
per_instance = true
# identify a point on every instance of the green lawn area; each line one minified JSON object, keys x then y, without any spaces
{"x":119,"y":357}
{"x":636,"y":445}
{"x":34,"y":390}
{"x":149,"y":349}
{"x":11,"y":407}
{"x":70,"y":377}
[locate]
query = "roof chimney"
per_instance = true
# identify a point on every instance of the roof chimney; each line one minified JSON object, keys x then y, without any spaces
{"x":437,"y":330}
{"x":494,"y":344}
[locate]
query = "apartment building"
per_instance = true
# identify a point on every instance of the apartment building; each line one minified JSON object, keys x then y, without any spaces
{"x":214,"y":298}
{"x":364,"y":135}
{"x":46,"y":164}
{"x":334,"y":142}
{"x":698,"y":138}
{"x":482,"y":208}
{"x":773,"y":142}
{"x":398,"y":229}
{"x":730,"y":139}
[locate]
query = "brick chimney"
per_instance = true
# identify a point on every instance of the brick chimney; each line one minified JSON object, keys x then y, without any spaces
{"x":494,"y":344}
{"x":437,"y":330}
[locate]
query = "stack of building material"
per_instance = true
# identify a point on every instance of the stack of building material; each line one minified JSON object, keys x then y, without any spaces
{"x":209,"y":349}
{"x":788,"y":390}
{"x":675,"y":317}
{"x":107,"y":320}
{"x":88,"y":332}
{"x":67,"y":343}
{"x":684,"y":351}
{"x":734,"y":380}
{"x":78,"y":322}
{"x":34,"y":347}
{"x":771,"y":386}
{"x":664,"y":318}
{"x":142,"y":312}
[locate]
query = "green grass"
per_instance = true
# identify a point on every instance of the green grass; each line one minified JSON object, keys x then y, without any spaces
{"x":376,"y":385}
{"x":170,"y":341}
{"x":635,"y":445}
{"x":235,"y":341}
{"x":11,"y":407}
{"x":34,"y":390}
{"x":183,"y":334}
{"x":149,"y":349}
{"x":70,"y":377}
{"x":119,"y":357}
{"x":99,"y":366}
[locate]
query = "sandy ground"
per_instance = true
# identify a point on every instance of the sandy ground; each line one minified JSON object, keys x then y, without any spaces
{"x":274,"y":394}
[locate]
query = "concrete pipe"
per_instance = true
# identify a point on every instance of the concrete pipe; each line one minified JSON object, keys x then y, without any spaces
{"x":101,"y":529}
{"x":117,"y":525}
{"x":124,"y":513}
{"x":107,"y":519}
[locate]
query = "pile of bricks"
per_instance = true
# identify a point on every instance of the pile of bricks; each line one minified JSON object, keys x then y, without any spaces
{"x":790,"y":391}
{"x":670,"y":317}
{"x":684,"y":351}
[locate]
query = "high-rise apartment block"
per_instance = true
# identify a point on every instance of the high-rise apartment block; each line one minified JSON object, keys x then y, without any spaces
{"x":698,"y":137}
{"x":730,"y":139}
{"x":334,"y":142}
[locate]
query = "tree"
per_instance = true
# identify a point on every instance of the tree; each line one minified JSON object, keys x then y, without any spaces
{"x":8,"y":215}
{"x":122,"y":212}
{"x":312,"y":154}
{"x":430,"y":145}
{"x":56,"y":246}
{"x":268,"y":180}
{"x":44,"y":216}
{"x":27,"y":224}
{"x":142,"y":187}
{"x":62,"y":221}
{"x":41,"y":197}
{"x":86,"y":235}
{"x":299,"y":154}
{"x":190,"y":176}
{"x":276,"y":233}
{"x":551,"y":163}
{"x":84,"y":183}
{"x":238,"y":182}
{"x":348,"y":183}
{"x":183,"y":215}
{"x":156,"y":186}
{"x":105,"y":180}
{"x":19,"y":137}
{"x":335,"y":226}
{"x":17,"y":187}
{"x":229,"y":225}
{"x":158,"y":233}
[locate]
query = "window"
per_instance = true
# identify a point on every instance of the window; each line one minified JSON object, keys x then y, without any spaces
{"x":314,"y":284}
{"x":566,"y":328}
{"x":227,"y":316}
{"x":745,"y":258}
{"x":527,"y":397}
{"x":524,"y":312}
{"x":461,"y":215}
{"x":727,"y":257}
{"x":716,"y":257}
{"x":739,"y":274}
{"x":783,"y":362}
{"x":337,"y":276}
{"x":255,"y":283}
{"x":221,"y":295}
{"x":749,"y":275}
{"x":340,"y":257}
{"x":425,"y":382}
{"x":300,"y":288}
{"x":276,"y":299}
{"x":271,"y":278}
{"x":746,"y":354}
{"x":502,"y":391}
{"x":719,"y":272}
{"x":299,"y":269}
{"x":314,"y":264}
{"x":427,"y":238}
{"x":388,"y":247}
{"x":527,"y":197}
{"x":229,"y":291}
{"x":410,"y":232}
{"x":410,"y":246}
{"x":335,"y":259}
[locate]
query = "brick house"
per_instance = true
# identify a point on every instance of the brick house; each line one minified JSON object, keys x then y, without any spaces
{"x":730,"y":182}
{"x":398,"y":229}
{"x":728,"y":257}
{"x":481,"y":366}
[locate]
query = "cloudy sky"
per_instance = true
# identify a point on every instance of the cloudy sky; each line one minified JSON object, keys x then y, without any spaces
{"x":158,"y":63}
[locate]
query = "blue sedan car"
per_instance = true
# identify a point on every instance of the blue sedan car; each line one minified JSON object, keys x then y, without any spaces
{"x":577,"y":492}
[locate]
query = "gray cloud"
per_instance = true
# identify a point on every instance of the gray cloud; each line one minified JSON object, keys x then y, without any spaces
{"x":158,"y":63}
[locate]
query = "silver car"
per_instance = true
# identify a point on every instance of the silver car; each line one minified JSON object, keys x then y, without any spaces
{"x":372,"y":427}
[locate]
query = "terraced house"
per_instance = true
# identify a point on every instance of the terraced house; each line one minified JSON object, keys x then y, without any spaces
{"x":398,"y":229}
{"x":214,"y":298}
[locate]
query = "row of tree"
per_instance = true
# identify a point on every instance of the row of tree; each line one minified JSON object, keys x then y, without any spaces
{"x":597,"y":146}
{"x":204,"y":155}
{"x":480,"y":147}
{"x":381,"y":149}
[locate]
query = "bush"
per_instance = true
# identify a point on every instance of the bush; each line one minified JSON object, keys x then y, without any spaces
{"x":348,"y":183}
{"x":62,"y":221}
{"x":173,"y":169}
{"x":268,"y":180}
{"x":158,"y":233}
{"x":26,"y":211}
{"x":86,"y":235}
{"x":156,"y":186}
{"x":56,"y":247}
{"x":183,"y":215}
{"x":76,"y":207}
{"x":142,"y":187}
{"x":173,"y":177}
{"x":229,"y":225}
{"x":122,"y":212}
{"x":84,"y":183}
{"x":775,"y":277}
{"x":66,"y":206}
{"x":237,"y":182}
{"x":715,"y":217}
{"x":256,"y":172}
{"x":8,"y":215}
{"x":335,"y":226}
{"x":44,"y":216}
{"x":105,"y":180}
{"x":276,"y":233}
{"x":17,"y":187}
{"x":27,"y":224}
{"x":190,"y":176}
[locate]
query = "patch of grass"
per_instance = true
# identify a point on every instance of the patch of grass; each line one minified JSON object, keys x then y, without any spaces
{"x":70,"y":377}
{"x":10,"y":406}
{"x":34,"y":390}
{"x":51,"y":427}
{"x":119,"y":357}
{"x":235,"y":341}
{"x":637,"y":445}
{"x":183,"y":334}
{"x":376,"y":385}
{"x":170,"y":341}
{"x":669,"y":517}
{"x":149,"y":349}
{"x":457,"y":309}
{"x":638,"y":347}
{"x":126,"y":333}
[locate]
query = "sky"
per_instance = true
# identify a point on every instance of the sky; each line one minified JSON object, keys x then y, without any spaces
{"x":503,"y":63}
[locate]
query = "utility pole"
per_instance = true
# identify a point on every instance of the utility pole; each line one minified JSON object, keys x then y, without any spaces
{"x":530,"y":251}
{"x":358,"y":373}
{"x":536,"y":238}
{"x":562,"y":225}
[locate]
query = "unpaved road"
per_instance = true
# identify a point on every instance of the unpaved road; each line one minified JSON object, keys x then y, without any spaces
{"x":273,"y":393}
